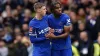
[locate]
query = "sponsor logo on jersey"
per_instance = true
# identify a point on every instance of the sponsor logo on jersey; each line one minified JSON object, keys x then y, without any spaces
{"x":44,"y":30}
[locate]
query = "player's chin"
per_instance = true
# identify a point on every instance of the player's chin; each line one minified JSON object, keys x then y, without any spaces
{"x":43,"y":14}
{"x":59,"y":12}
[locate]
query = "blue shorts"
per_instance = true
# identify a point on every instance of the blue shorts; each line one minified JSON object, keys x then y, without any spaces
{"x":65,"y":52}
{"x":41,"y":52}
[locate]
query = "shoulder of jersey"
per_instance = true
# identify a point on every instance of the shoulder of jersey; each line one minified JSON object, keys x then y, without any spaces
{"x":65,"y":16}
{"x":32,"y":22}
{"x":50,"y":15}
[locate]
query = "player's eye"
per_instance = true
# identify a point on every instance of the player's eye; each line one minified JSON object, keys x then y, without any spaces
{"x":57,"y":7}
{"x":44,"y":9}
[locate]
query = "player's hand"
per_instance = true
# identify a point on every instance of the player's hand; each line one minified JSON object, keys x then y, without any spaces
{"x":51,"y":30}
{"x":46,"y":35}
{"x":50,"y":36}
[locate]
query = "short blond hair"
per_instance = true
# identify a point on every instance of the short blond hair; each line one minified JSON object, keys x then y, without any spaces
{"x":38,"y":5}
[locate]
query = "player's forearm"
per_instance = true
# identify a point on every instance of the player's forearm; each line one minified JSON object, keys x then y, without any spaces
{"x":62,"y":36}
{"x":34,"y":40}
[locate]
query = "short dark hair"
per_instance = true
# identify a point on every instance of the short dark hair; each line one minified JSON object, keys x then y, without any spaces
{"x":38,"y":5}
{"x":53,"y":5}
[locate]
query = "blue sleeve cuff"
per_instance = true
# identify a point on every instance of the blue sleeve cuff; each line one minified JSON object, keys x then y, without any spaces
{"x":33,"y":40}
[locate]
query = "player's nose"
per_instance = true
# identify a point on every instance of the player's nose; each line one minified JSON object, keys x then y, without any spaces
{"x":59,"y":9}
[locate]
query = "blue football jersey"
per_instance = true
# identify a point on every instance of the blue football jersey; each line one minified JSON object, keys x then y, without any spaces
{"x":58,"y":25}
{"x":37,"y":31}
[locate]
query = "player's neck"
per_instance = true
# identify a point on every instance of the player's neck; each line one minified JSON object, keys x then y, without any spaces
{"x":57,"y":16}
{"x":38,"y":16}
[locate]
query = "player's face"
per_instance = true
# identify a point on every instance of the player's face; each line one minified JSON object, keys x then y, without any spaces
{"x":43,"y":11}
{"x":58,"y":9}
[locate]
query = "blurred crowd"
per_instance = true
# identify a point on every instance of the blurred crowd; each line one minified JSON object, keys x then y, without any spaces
{"x":16,"y":14}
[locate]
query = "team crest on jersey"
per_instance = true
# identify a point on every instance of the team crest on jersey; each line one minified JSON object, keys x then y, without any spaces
{"x":30,"y":29}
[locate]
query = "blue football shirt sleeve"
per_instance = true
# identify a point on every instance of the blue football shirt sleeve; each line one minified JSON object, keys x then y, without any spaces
{"x":67,"y":21}
{"x":34,"y":36}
